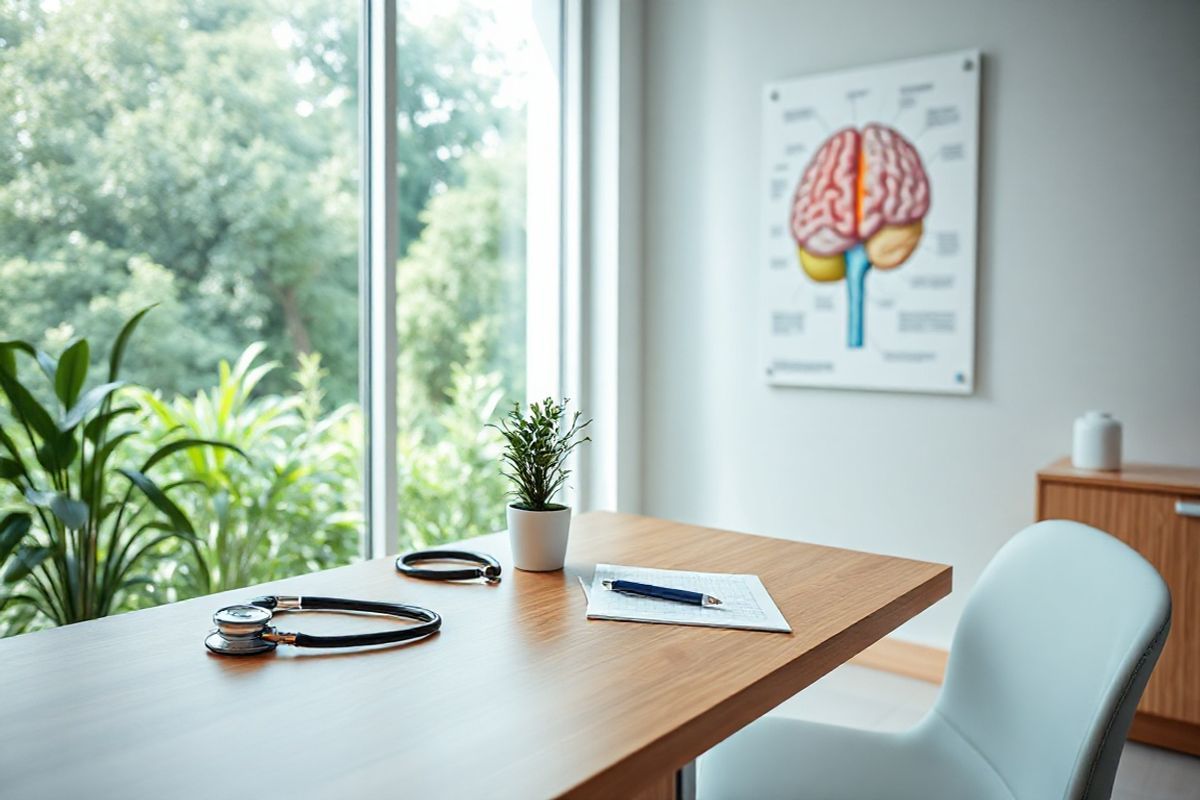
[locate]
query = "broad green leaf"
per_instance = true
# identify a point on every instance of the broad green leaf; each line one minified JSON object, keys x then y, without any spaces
{"x":25,"y":561}
{"x":39,"y":498}
{"x":160,"y":500}
{"x":8,"y":355}
{"x":244,"y":361}
{"x":9,"y":469}
{"x":47,"y":363}
{"x":12,"y":529}
{"x":8,"y":361}
{"x":160,"y":409}
{"x":100,"y":457}
{"x":58,"y":452}
{"x":71,"y":512}
{"x":185,"y":444}
{"x":87,"y":404}
{"x":190,"y":482}
{"x":71,"y":372}
{"x":25,"y":407}
{"x":98,"y":424}
{"x":10,"y":445}
{"x":122,"y":340}
{"x":255,"y":376}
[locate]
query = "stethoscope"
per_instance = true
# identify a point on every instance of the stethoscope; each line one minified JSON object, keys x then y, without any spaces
{"x":487,"y":567}
{"x":245,"y":629}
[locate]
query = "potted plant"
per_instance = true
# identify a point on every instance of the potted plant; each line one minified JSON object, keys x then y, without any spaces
{"x":536,"y":447}
{"x":91,"y":522}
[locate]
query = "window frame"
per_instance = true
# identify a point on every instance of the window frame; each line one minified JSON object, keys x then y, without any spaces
{"x":377,"y":274}
{"x":379,"y":250}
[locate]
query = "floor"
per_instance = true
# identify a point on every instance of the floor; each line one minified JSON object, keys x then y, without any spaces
{"x":865,"y":698}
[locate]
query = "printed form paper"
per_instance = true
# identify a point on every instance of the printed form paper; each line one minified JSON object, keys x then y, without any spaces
{"x":745,"y":602}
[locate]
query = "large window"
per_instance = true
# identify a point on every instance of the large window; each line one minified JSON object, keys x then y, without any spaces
{"x":205,"y":157}
{"x":463,"y":97}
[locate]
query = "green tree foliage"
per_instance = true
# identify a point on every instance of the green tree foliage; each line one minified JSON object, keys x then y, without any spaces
{"x":213,"y":145}
{"x":461,"y":321}
{"x":462,"y":286}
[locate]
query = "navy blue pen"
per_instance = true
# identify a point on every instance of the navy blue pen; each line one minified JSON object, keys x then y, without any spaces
{"x":661,"y":593}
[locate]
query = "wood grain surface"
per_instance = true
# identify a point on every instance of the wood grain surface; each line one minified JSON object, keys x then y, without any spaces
{"x":1162,"y":478}
{"x":519,"y":696}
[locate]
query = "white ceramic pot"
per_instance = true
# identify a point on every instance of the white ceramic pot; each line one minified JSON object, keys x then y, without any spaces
{"x":538,"y":538}
{"x":1097,"y":442}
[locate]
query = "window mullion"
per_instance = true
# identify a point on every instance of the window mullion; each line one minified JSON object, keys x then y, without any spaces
{"x":378,"y":273}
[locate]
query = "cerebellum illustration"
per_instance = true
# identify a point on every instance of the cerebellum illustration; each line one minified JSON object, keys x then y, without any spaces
{"x":859,"y":204}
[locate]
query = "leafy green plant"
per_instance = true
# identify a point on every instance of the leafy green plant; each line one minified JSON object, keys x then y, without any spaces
{"x":293,"y":505}
{"x":93,"y":522}
{"x":536,"y":449}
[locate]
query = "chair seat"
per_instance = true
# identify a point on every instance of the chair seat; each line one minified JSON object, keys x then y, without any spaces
{"x":777,"y":759}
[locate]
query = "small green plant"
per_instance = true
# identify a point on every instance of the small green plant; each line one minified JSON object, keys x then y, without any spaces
{"x":84,"y":542}
{"x":536,"y":447}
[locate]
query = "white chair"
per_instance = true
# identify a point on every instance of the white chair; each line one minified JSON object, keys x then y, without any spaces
{"x":1050,"y":657}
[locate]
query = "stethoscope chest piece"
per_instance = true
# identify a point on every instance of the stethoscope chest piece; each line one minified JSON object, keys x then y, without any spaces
{"x":239,"y":631}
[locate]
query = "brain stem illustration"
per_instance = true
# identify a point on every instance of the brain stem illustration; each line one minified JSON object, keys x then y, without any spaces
{"x":859,"y":204}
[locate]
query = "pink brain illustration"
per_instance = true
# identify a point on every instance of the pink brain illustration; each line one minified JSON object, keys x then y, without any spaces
{"x":860,"y":203}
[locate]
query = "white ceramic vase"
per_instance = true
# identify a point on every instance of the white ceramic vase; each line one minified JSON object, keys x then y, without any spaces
{"x":538,"y":538}
{"x":1097,"y":443}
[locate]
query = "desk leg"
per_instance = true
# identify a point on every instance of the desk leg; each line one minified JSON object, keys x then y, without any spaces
{"x":679,"y":785}
{"x":685,"y":782}
{"x":661,"y":789}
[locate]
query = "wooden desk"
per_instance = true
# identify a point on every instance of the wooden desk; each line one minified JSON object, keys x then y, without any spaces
{"x":519,"y":696}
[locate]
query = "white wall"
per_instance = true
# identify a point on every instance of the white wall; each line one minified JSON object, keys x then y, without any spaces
{"x":1089,"y":273}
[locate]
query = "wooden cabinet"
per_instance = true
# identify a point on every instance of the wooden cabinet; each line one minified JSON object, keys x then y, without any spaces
{"x":1155,"y":510}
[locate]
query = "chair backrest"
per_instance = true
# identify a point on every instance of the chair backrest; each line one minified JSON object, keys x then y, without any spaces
{"x":1051,"y":656}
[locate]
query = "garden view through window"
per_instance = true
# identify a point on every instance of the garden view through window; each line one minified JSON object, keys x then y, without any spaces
{"x":204,"y":157}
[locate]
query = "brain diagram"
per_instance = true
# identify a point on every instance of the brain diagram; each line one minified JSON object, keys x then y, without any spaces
{"x":860,"y":203}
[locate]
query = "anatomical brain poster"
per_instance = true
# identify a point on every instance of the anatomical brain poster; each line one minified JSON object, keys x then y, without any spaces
{"x":869,"y":258}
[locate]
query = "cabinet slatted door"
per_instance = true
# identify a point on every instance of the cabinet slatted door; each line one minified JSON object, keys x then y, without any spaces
{"x":1139,"y":507}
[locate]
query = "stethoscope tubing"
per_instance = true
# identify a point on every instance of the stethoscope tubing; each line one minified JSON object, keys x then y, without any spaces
{"x":488,"y":567}
{"x":430,"y":621}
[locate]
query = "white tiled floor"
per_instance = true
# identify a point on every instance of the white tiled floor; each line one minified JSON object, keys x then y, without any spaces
{"x":864,"y":698}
